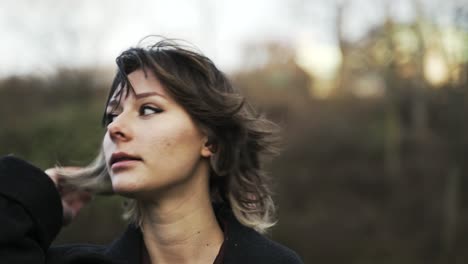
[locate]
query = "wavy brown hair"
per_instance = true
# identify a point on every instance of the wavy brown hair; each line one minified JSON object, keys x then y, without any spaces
{"x":241,"y":138}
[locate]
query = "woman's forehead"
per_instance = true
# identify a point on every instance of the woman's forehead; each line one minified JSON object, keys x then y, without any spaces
{"x":143,"y":82}
{"x":139,"y":85}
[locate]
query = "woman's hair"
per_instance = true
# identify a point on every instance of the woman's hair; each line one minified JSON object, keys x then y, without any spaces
{"x":241,"y":139}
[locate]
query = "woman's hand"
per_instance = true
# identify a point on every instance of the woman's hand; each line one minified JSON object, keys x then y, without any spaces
{"x":73,"y":199}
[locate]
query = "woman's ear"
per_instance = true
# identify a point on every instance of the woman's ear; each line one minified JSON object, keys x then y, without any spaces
{"x":208,"y":148}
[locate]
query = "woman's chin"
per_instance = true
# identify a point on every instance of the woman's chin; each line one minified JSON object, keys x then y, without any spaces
{"x":126,"y":189}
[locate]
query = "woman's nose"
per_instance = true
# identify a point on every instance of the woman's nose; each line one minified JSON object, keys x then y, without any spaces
{"x":119,"y":129}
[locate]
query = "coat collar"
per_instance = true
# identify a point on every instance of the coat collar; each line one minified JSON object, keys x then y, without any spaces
{"x":129,"y":246}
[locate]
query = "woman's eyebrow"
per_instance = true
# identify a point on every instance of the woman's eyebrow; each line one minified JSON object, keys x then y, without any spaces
{"x":115,"y":102}
{"x":148,"y":94}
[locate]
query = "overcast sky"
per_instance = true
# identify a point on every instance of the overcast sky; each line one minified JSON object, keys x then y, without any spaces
{"x":37,"y":36}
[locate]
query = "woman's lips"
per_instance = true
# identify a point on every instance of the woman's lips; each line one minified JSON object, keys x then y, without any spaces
{"x":121,"y":160}
{"x":123,"y":164}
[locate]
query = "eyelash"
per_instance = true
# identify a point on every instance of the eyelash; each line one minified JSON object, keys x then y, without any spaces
{"x":111,"y":115}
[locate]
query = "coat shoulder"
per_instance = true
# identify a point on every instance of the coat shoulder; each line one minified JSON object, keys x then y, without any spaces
{"x":254,"y":247}
{"x":271,"y":251}
{"x":244,"y":245}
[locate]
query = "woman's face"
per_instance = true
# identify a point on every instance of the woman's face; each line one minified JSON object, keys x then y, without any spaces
{"x":151,"y":143}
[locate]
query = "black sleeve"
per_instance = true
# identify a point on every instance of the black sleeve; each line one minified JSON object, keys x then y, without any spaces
{"x":30,"y":212}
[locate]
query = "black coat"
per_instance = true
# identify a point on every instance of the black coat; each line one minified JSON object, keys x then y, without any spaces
{"x":31,"y":217}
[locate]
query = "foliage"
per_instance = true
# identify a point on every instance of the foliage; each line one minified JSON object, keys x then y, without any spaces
{"x":376,"y":179}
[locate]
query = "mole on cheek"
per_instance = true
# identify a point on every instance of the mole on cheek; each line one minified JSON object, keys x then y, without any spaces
{"x":166,"y":142}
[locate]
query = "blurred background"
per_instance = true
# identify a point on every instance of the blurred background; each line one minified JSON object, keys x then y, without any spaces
{"x":371,"y":94}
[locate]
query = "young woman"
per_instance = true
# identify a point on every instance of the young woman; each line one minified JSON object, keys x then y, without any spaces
{"x":185,"y":149}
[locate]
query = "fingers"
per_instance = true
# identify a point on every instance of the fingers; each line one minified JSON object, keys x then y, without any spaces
{"x":73,"y":199}
{"x":72,"y":203}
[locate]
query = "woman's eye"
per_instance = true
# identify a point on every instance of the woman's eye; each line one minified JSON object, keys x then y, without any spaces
{"x":148,"y":110}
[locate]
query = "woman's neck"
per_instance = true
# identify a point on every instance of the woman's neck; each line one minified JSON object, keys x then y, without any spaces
{"x":182,"y":229}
